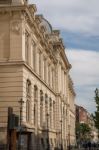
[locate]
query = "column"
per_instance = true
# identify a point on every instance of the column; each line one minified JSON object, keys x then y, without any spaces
{"x":29,"y":52}
{"x":59,"y":78}
{"x":65,"y":84}
{"x":51,"y":76}
{"x":42,"y":68}
{"x":37,"y":61}
{"x":46,"y":71}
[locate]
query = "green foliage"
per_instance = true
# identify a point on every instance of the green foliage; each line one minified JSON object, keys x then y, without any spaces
{"x":83,"y":131}
{"x":96,"y":114}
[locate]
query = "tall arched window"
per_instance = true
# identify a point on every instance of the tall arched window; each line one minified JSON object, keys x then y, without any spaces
{"x":27,"y":110}
{"x":46,"y":108}
{"x":41,"y":108}
{"x":46,"y":104}
{"x":35,"y":104}
{"x":28,"y":100}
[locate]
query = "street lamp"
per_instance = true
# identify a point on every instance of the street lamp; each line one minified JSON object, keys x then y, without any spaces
{"x":96,"y":91}
{"x":61,"y":135}
{"x":48,"y":146}
{"x":21,"y":102}
{"x":69,"y":137}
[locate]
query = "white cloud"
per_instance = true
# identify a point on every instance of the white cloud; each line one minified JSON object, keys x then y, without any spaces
{"x":73,"y":15}
{"x":85,"y":74}
{"x":85,"y":69}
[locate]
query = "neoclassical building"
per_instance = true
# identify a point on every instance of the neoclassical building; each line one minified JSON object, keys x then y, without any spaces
{"x":34,"y":68}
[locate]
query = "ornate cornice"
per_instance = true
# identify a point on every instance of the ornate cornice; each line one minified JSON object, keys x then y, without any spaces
{"x":70,"y":85}
{"x":38,"y":19}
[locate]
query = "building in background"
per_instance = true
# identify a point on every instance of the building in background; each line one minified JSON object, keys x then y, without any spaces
{"x":34,"y":68}
{"x":83,"y":116}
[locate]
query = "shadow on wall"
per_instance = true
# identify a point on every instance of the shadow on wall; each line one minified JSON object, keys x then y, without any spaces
{"x":39,"y":140}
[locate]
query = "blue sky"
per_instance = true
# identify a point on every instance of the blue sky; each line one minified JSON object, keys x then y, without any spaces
{"x":80,"y":41}
{"x":78,"y":21}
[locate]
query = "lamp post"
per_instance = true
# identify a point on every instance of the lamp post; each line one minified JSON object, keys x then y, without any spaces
{"x":61,"y":135}
{"x":48,"y":146}
{"x":20,"y":130}
{"x":69,"y":137}
{"x":97,"y":92}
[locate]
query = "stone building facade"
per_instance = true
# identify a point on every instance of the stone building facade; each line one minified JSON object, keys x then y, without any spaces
{"x":35,"y":68}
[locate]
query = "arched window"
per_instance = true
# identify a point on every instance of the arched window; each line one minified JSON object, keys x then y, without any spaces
{"x":35,"y":104}
{"x":27,"y":110}
{"x":41,"y":108}
{"x":46,"y":109}
{"x":46,"y":104}
{"x":28,"y":100}
{"x":28,"y":88}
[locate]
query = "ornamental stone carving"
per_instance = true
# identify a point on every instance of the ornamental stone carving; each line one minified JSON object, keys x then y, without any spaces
{"x":15,"y":27}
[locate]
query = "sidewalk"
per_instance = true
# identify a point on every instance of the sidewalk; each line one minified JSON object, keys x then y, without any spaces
{"x":85,"y":149}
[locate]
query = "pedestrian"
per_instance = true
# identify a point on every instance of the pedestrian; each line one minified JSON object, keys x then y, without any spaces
{"x":89,"y":145}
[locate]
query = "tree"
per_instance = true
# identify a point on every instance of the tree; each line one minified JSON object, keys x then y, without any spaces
{"x":96,"y":114}
{"x":83,"y":131}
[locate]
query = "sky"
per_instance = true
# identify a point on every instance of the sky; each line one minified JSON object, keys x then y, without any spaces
{"x":78,"y":21}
